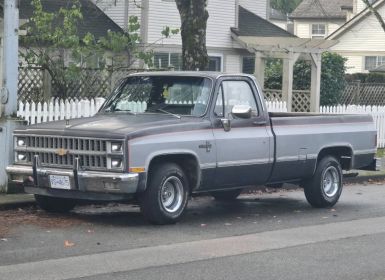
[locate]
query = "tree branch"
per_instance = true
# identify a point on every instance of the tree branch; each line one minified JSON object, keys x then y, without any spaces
{"x":375,"y":13}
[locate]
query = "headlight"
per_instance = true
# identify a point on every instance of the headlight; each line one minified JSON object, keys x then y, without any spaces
{"x":20,"y":142}
{"x":116,"y":163}
{"x":21,"y":156}
{"x":116,"y":147}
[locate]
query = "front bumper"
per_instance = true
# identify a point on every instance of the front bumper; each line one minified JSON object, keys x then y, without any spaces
{"x":80,"y":181}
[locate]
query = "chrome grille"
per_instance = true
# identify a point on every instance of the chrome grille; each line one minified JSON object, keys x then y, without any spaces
{"x":93,"y":154}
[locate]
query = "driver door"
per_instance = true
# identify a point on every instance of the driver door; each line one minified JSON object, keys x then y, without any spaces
{"x":243,"y":152}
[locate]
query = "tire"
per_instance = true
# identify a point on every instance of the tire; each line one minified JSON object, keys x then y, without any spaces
{"x":226,"y":195}
{"x":325,"y":187}
{"x":55,"y":204}
{"x":166,"y":196}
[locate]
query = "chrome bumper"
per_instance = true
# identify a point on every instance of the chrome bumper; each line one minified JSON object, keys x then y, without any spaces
{"x":84,"y":181}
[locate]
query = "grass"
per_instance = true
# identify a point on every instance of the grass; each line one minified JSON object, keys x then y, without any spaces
{"x":380,"y":153}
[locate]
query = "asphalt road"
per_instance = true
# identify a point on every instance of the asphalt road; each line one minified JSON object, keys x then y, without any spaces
{"x":260,"y":236}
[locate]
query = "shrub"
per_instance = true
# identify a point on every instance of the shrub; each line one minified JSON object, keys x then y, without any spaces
{"x":332,"y":76}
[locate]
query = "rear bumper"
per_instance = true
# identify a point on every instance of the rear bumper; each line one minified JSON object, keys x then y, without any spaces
{"x":37,"y":178}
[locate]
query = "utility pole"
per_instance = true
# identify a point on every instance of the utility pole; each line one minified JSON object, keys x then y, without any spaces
{"x":8,"y":92}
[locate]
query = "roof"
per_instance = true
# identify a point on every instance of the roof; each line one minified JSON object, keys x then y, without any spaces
{"x":251,"y":24}
{"x":94,"y":20}
{"x":355,"y":20}
{"x":322,"y":9}
{"x":208,"y":74}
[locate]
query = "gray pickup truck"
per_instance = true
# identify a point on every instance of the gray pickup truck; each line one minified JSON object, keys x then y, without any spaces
{"x":163,"y":136}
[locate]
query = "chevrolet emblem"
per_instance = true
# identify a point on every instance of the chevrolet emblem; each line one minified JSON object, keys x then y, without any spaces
{"x":61,"y":152}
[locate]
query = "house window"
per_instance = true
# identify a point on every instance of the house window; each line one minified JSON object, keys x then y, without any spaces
{"x":168,"y":60}
{"x":174,"y":60}
{"x":372,"y":62}
{"x":248,"y":65}
{"x":215,"y":63}
{"x":318,"y":31}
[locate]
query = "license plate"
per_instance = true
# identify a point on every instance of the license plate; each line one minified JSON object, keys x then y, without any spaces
{"x":60,"y":182}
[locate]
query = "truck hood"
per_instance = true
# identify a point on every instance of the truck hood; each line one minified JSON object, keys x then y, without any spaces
{"x":116,"y":125}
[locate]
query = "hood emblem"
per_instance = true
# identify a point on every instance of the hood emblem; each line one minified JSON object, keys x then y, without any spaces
{"x":61,"y":152}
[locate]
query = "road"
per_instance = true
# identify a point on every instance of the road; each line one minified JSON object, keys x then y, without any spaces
{"x":260,"y":236}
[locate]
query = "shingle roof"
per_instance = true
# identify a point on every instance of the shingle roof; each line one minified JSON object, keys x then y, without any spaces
{"x":252,"y":25}
{"x":322,"y":9}
{"x":94,"y":20}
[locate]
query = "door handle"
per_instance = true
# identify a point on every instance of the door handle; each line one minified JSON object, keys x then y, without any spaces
{"x":260,"y":123}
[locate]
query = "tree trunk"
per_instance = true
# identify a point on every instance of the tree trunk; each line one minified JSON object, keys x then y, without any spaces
{"x":194,"y":16}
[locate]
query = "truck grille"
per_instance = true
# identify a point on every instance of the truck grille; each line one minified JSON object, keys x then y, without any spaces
{"x":62,"y":151}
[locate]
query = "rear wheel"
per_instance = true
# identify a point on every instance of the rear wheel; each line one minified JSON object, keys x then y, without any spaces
{"x":226,"y":195}
{"x":324,"y":189}
{"x":166,"y":195}
{"x":55,"y":204}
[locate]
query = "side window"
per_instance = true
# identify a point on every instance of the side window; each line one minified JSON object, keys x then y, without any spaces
{"x":234,"y":93}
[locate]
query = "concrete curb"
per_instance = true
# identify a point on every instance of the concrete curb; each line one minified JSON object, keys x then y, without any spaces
{"x":11,"y":201}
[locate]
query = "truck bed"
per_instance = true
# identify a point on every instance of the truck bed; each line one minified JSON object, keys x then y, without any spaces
{"x":301,"y":137}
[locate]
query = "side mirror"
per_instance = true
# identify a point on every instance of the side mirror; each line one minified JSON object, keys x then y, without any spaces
{"x":242,"y":111}
{"x":226,"y":123}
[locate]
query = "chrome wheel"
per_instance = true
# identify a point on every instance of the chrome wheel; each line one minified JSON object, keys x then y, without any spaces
{"x":172,"y":194}
{"x":331,"y":181}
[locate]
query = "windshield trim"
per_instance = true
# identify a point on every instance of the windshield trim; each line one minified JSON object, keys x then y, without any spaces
{"x":123,"y":80}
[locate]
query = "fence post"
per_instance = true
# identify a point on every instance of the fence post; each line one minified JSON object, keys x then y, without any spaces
{"x":47,"y":85}
{"x":357,"y":92}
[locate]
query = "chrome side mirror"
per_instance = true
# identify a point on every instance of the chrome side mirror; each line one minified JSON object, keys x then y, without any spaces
{"x":242,"y":111}
{"x":226,"y":123}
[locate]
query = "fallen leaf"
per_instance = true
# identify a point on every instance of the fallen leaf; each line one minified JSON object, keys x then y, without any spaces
{"x":325,"y":217}
{"x":4,"y":239}
{"x":203,"y":225}
{"x":90,"y":231}
{"x":68,"y":244}
{"x":227,"y":224}
{"x":333,"y":210}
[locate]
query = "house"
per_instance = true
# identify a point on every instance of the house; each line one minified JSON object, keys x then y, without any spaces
{"x":320,"y":18}
{"x":281,"y":20}
{"x":362,"y":40}
{"x":225,"y":54}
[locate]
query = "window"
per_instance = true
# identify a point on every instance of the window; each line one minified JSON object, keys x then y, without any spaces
{"x":234,"y":93}
{"x":248,"y":65}
{"x":161,"y":94}
{"x":372,"y":62}
{"x":168,"y":60}
{"x":215,"y":63}
{"x":318,"y":31}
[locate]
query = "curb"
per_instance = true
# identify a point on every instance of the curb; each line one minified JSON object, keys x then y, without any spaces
{"x":16,"y":202}
{"x":362,"y":179}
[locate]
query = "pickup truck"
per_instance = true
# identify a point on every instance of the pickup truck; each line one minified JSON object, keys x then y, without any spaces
{"x":162,"y":136}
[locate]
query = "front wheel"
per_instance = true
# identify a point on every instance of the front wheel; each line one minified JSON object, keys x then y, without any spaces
{"x":166,"y":195}
{"x":55,"y":204}
{"x":324,"y":189}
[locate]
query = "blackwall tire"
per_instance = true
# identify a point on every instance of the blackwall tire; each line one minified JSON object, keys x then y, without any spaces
{"x":325,"y":187}
{"x":55,"y":204}
{"x":166,"y":195}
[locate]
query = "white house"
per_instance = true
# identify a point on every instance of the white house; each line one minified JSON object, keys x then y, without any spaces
{"x":362,"y":40}
{"x":320,"y":18}
{"x":224,"y":19}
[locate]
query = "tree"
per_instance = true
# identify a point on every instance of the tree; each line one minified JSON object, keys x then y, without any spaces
{"x":54,"y":44}
{"x":285,"y":6}
{"x":332,"y":76}
{"x":375,"y":13}
{"x":194,"y":16}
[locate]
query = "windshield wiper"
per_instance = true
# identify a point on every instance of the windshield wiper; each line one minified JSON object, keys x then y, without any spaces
{"x":117,"y":110}
{"x":168,"y":113}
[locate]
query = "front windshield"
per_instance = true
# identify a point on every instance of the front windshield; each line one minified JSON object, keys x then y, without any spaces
{"x":176,"y":95}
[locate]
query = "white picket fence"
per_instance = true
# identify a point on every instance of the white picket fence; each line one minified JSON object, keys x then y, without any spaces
{"x":377,"y":112}
{"x":68,"y":109}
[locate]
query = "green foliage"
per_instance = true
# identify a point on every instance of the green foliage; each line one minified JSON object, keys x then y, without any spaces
{"x":366,"y":77}
{"x":332,"y":76}
{"x":54,"y":44}
{"x":285,"y":6}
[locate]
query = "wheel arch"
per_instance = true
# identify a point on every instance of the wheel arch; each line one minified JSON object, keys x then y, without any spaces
{"x":343,"y":153}
{"x":187,"y":160}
